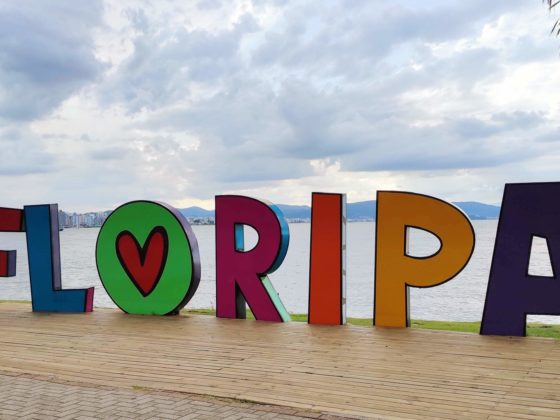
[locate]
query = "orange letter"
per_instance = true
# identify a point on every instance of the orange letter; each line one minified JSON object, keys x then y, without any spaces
{"x":395,"y":270}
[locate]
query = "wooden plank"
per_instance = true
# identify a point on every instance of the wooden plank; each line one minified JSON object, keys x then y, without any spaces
{"x":343,"y":370}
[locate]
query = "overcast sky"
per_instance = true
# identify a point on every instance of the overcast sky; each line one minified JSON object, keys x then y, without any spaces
{"x":106,"y":102}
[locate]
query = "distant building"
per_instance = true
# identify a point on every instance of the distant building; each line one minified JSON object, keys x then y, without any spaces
{"x":86,"y":220}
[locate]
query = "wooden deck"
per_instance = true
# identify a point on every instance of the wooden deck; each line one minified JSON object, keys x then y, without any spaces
{"x":357,"y":371}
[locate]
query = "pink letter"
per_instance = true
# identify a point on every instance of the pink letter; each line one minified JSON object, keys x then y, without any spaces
{"x":241,"y":276}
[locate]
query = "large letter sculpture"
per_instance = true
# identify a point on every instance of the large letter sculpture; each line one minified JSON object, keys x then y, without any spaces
{"x":43,"y":250}
{"x":241,"y":276}
{"x":528,"y":210}
{"x":327,"y":270}
{"x":11,"y":220}
{"x":147,"y":258}
{"x":396,"y":270}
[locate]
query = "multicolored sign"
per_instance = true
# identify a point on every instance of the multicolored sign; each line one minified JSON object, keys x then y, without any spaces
{"x":148,"y":260}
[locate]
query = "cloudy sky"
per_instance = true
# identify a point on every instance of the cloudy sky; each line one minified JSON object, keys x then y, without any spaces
{"x":105,"y":102}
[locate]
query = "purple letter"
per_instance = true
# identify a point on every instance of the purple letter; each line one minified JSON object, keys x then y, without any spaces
{"x":528,"y":210}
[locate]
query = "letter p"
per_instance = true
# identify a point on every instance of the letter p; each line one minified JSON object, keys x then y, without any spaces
{"x":396,"y":270}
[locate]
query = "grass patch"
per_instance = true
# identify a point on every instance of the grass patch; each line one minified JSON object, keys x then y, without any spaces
{"x":198,"y":312}
{"x":15,"y":301}
{"x":533,"y":329}
{"x":543,"y":330}
{"x":471,"y":327}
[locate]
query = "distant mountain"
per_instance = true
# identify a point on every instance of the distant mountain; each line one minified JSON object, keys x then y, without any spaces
{"x":475,"y":210}
{"x":295,"y":212}
{"x":479,"y":211}
{"x":363,"y":210}
{"x":289,"y":211}
{"x":197,"y":212}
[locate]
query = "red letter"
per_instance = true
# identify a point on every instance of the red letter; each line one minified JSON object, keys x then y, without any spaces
{"x":11,"y":220}
{"x":327,"y":270}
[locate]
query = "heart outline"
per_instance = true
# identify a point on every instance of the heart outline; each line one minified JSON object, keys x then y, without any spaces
{"x":142,"y":253}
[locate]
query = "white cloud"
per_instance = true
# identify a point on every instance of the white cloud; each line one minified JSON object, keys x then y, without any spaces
{"x":46,"y":54}
{"x":179,"y":101}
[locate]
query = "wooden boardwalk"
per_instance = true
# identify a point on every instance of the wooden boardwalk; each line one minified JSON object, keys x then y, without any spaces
{"x":354,"y":371}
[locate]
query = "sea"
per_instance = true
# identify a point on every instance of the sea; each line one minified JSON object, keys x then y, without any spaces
{"x":460,"y":299}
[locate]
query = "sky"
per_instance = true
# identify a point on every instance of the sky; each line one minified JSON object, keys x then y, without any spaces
{"x":105,"y":102}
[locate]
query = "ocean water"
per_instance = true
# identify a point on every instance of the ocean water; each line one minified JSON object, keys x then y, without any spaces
{"x":461,"y":299}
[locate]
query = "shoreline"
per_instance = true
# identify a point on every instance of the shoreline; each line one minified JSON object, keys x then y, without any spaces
{"x":533,"y":329}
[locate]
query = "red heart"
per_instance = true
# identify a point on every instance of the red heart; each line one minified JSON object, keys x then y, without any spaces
{"x":144,"y":265}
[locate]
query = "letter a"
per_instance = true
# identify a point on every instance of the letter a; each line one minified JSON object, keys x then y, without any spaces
{"x":528,"y":210}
